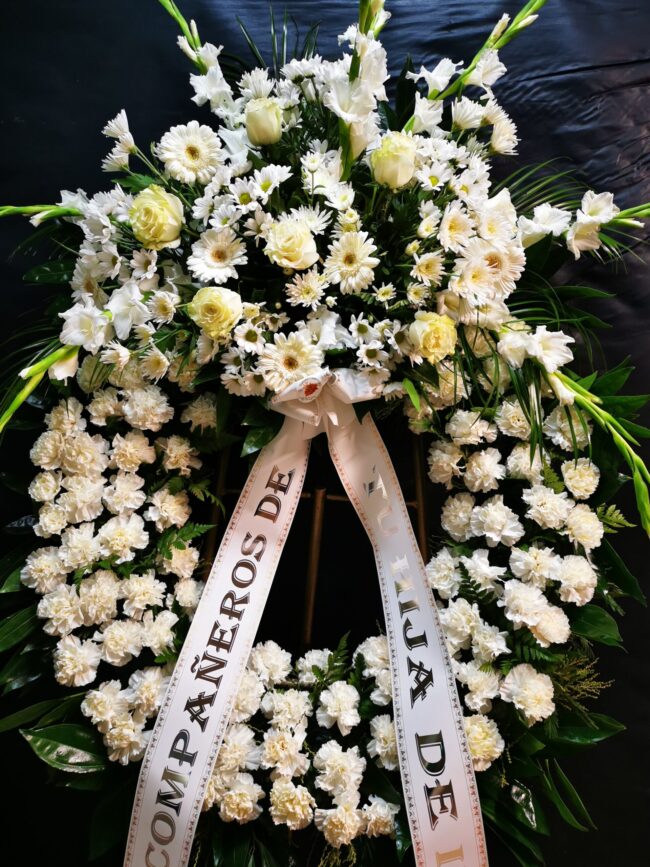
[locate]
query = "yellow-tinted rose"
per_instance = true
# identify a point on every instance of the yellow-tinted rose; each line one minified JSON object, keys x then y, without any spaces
{"x":215,"y":310}
{"x":290,"y":244}
{"x":156,"y":218}
{"x":263,"y":121}
{"x":393,"y":162}
{"x":433,"y":336}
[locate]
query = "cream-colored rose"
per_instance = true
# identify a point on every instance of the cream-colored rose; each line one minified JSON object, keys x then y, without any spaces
{"x":156,"y":218}
{"x":432,"y":335}
{"x":263,"y":121}
{"x":215,"y":310}
{"x":393,"y":162}
{"x":290,"y":244}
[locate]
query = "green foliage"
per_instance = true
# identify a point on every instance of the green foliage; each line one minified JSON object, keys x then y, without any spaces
{"x":180,"y":537}
{"x":17,"y":627}
{"x":612,"y":517}
{"x":76,"y":749}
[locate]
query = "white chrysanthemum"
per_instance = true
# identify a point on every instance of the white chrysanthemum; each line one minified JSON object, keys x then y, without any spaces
{"x":456,"y":516}
{"x":248,"y":698}
{"x":560,"y":431}
{"x":379,"y":817}
{"x":121,"y":536}
{"x":375,"y":654}
{"x":466,"y":427}
{"x":581,"y":477}
{"x":306,"y":664}
{"x":79,"y":547}
{"x":383,"y":745}
{"x":52,"y":519}
{"x":270,"y":662}
{"x":124,"y":494}
{"x":552,"y":627}
{"x":98,"y":595}
{"x":428,"y":269}
{"x":239,"y":802}
{"x":289,"y":359}
{"x":484,"y":741}
{"x":443,"y":574}
{"x":291,"y":805}
{"x":286,"y":709}
{"x":530,"y":692}
{"x":306,"y":289}
{"x":456,"y":227}
{"x":497,"y":522}
{"x":511,"y":420}
{"x":130,"y":451}
{"x":106,"y":704}
{"x":141,"y":592}
{"x":146,"y":691}
{"x":47,"y":450}
{"x":75,"y":661}
{"x":488,"y":642}
{"x":126,"y":740}
{"x":216,"y":255}
{"x":535,"y":566}
{"x":84,"y":454}
{"x":340,"y":771}
{"x":350,"y":262}
{"x":281,"y":752}
{"x":341,"y":825}
{"x":158,"y":632}
{"x":45,"y":486}
{"x":201,"y":413}
{"x":120,"y":641}
{"x":523,"y":604}
{"x":577,"y":579}
{"x":188,"y":594}
{"x":480,"y":571}
{"x":239,"y":750}
{"x":444,"y":463}
{"x":484,"y":470}
{"x":61,"y":610}
{"x":43,"y":570}
{"x":583,"y":527}
{"x":154,"y":364}
{"x":339,"y":705}
{"x":482,"y":685}
{"x":183,"y":562}
{"x":190,"y":152}
{"x":146,"y":408}
{"x":458,"y":620}
{"x":167,"y":509}
{"x":520,"y":466}
{"x":178,"y":454}
{"x":546,"y":508}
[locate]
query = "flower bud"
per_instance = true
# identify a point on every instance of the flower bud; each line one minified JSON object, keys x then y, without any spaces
{"x":263,"y":121}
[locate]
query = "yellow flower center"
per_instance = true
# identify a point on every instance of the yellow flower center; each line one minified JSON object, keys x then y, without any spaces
{"x":192,"y":152}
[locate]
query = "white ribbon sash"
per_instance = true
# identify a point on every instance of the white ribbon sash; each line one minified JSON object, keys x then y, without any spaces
{"x":440,"y":795}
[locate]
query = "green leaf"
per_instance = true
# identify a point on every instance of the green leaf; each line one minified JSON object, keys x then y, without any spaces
{"x":403,"y":840}
{"x":574,"y":798}
{"x":67,"y":747}
{"x":549,"y":788}
{"x":27,"y":714}
{"x":596,"y":624}
{"x":24,"y":667}
{"x":17,"y":627}
{"x":257,"y":438}
{"x":412,"y":392}
{"x":377,"y":782}
{"x":619,"y":572}
{"x":577,"y":734}
{"x":109,"y":823}
{"x":135,"y":182}
{"x":612,"y":517}
{"x":12,"y":583}
{"x":552,"y":480}
{"x":57,"y":272}
{"x":614,"y":380}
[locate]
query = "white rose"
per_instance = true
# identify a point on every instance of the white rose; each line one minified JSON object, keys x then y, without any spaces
{"x":393,"y":162}
{"x":263,"y":121}
{"x":290,"y":244}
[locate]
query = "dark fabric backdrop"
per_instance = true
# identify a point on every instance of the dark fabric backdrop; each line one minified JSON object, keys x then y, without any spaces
{"x":578,"y":89}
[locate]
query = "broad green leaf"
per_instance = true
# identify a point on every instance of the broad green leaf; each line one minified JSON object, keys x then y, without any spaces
{"x":17,"y":626}
{"x":412,"y":392}
{"x":618,"y":571}
{"x":596,"y":624}
{"x":24,"y":667}
{"x":574,"y":798}
{"x":27,"y":714}
{"x":257,"y":438}
{"x":576,"y":733}
{"x":12,"y":583}
{"x":403,"y":840}
{"x":67,"y":747}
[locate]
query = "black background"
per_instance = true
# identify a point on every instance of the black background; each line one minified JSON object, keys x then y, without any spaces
{"x":578,"y":88}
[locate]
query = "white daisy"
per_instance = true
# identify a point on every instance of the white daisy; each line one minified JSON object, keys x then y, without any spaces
{"x":191,"y":152}
{"x":351,"y":263}
{"x":249,"y":337}
{"x":215,"y":256}
{"x":288,"y":359}
{"x":306,"y":289}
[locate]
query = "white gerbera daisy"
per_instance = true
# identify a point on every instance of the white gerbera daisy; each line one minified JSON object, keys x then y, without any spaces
{"x":428,"y":268}
{"x":306,"y":289}
{"x":216,"y":254}
{"x":154,"y":364}
{"x":288,"y":359}
{"x":249,"y":337}
{"x":351,"y":263}
{"x":191,"y":152}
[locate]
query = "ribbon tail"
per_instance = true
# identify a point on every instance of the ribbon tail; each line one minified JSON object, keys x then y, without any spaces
{"x":440,"y":794}
{"x":198,"y":703}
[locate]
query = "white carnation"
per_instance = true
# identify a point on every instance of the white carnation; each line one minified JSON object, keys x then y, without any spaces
{"x":484,"y":741}
{"x":43,"y":570}
{"x":306,"y":663}
{"x":520,"y":466}
{"x":546,"y":508}
{"x":535,"y":566}
{"x":578,"y":580}
{"x":291,"y":805}
{"x":61,"y":610}
{"x":581,"y":477}
{"x":270,"y":662}
{"x":583,"y":527}
{"x":484,"y":470}
{"x":511,"y":420}
{"x":339,"y":705}
{"x":443,"y":574}
{"x":444,"y":463}
{"x":466,"y":427}
{"x":75,"y":661}
{"x":456,"y":516}
{"x":530,"y":692}
{"x":497,"y":522}
{"x":383,"y":745}
{"x":379,"y":817}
